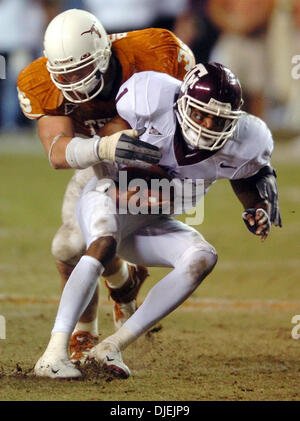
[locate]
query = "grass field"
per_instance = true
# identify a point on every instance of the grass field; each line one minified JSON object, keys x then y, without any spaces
{"x":231,"y":341}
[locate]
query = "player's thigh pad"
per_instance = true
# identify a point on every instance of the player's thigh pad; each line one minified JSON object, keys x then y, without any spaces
{"x":97,"y":215}
{"x":96,"y":212}
{"x":163,"y":243}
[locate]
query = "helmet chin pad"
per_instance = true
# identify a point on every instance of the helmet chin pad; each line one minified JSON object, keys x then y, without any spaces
{"x":196,"y":140}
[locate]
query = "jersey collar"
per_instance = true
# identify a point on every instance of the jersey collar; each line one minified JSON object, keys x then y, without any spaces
{"x":185,"y":157}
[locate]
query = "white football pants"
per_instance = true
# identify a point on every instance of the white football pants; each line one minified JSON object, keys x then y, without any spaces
{"x":149,"y":240}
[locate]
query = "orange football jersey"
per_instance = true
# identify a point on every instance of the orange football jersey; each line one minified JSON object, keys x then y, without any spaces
{"x":148,"y":49}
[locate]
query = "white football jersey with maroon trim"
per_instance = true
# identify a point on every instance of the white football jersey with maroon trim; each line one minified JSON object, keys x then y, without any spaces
{"x":146,"y":101}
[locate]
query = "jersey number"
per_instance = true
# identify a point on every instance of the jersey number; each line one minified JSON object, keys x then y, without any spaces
{"x":24,"y":102}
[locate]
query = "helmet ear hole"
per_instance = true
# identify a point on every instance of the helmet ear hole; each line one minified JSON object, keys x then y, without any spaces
{"x":78,"y":50}
{"x":214,"y":90}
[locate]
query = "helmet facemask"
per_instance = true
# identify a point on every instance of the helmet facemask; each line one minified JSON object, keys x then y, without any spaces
{"x":199,"y":137}
{"x":209,"y":106}
{"x":82,"y":81}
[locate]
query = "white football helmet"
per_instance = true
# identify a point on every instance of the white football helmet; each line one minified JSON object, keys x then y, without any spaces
{"x":78,"y":50}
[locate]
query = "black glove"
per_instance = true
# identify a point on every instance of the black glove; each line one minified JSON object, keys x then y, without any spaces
{"x":123,"y":147}
{"x":267,"y":188}
{"x":131,"y":151}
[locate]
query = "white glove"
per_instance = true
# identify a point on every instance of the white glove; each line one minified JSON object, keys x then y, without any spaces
{"x":124,"y":148}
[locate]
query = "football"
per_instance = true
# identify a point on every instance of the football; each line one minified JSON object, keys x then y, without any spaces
{"x":149,"y":198}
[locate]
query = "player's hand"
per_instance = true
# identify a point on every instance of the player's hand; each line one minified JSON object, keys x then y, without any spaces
{"x":147,"y":201}
{"x":144,"y":189}
{"x":156,"y":202}
{"x":124,"y":148}
{"x":258,"y":222}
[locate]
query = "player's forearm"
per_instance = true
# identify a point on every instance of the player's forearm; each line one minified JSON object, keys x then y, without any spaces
{"x":260,"y":191}
{"x":55,"y":133}
{"x":247,"y":193}
{"x":69,"y":151}
{"x":121,"y":147}
{"x":65,"y":150}
{"x":57,"y":152}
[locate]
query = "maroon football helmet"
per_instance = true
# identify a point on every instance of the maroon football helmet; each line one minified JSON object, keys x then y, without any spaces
{"x":214,"y":90}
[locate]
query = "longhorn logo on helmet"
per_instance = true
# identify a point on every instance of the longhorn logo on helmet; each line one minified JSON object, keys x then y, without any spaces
{"x":93,"y":30}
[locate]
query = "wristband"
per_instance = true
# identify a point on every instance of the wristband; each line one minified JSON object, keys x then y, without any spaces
{"x":82,"y":153}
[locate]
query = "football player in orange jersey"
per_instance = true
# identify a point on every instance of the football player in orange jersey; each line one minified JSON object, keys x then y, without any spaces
{"x":70,"y":92}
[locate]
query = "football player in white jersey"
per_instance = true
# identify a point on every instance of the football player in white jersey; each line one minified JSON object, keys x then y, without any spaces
{"x":202,"y":134}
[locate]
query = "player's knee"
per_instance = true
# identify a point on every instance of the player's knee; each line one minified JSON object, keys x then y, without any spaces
{"x":67,"y":245}
{"x":200,"y":262}
{"x":103,"y":249}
